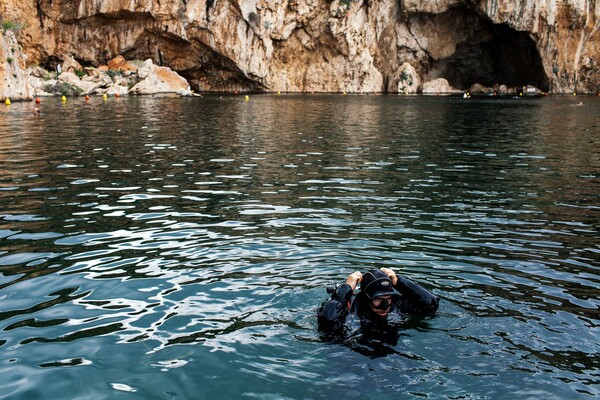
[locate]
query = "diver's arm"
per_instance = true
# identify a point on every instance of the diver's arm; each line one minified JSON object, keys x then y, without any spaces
{"x":333,"y":312}
{"x":415,"y":299}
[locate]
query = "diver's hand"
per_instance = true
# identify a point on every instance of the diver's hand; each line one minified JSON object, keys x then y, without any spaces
{"x":353,"y":279}
{"x":391,"y":274}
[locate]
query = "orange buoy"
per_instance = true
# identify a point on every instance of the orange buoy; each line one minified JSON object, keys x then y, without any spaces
{"x":38,"y":100}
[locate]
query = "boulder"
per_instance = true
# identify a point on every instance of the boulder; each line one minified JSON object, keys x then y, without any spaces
{"x":116,"y":62}
{"x":103,"y":80}
{"x":90,"y":71}
{"x":155,"y":79}
{"x":121,"y":82}
{"x":119,"y":63}
{"x":70,"y":78}
{"x":38,"y":84}
{"x":38,"y":72}
{"x":71,"y":65}
{"x":478,"y":88}
{"x":438,"y":86}
{"x":143,"y":71}
{"x":88,"y":87}
{"x":501,"y":89}
{"x":187,"y":93}
{"x":117,"y":90}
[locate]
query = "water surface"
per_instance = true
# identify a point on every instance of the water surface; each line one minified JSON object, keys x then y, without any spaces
{"x":169,"y":248}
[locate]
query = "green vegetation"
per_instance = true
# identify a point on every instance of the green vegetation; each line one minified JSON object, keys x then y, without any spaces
{"x":8,"y":25}
{"x":406,"y":78}
{"x":342,"y":8}
{"x":63,"y":89}
{"x":80,"y":73}
{"x":9,"y":60}
{"x":112,"y":73}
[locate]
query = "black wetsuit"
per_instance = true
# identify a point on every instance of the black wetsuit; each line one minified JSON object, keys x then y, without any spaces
{"x":414,"y":299}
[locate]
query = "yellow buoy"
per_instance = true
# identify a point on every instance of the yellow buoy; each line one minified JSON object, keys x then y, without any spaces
{"x":278,"y":92}
{"x":104,"y":96}
{"x":344,"y":92}
{"x":7,"y":101}
{"x":574,"y":94}
{"x":247,"y":98}
{"x":63,"y":99}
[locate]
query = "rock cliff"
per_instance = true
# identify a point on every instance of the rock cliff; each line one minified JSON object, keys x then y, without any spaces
{"x":325,"y":45}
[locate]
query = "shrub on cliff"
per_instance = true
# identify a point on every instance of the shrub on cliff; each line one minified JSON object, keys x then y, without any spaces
{"x":8,"y":25}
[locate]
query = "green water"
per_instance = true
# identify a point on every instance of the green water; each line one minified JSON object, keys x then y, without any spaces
{"x":169,"y":248}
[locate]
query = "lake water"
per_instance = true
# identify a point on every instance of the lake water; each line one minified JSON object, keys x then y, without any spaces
{"x":177,"y":248}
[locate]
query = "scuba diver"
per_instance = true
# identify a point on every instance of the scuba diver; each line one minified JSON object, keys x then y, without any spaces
{"x":382,"y":294}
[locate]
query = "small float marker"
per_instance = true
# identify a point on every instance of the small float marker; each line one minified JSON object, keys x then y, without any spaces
{"x":278,"y":92}
{"x":87,"y":98}
{"x":247,"y":98}
{"x":63,"y":99}
{"x":38,"y":100}
{"x":104,"y":96}
{"x":7,"y":101}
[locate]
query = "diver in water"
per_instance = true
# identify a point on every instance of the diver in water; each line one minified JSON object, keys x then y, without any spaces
{"x":382,"y":293}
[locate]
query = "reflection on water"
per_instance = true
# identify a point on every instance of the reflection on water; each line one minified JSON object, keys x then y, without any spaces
{"x":177,"y":248}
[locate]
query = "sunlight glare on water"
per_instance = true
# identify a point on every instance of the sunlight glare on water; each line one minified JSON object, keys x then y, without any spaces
{"x":179,"y":247}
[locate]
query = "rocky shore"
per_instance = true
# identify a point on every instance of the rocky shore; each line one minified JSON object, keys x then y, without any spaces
{"x":118,"y":77}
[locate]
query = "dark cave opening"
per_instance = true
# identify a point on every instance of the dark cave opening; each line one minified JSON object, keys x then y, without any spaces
{"x":510,"y":58}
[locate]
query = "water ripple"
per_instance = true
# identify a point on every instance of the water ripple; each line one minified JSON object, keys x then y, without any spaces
{"x":192,"y":247}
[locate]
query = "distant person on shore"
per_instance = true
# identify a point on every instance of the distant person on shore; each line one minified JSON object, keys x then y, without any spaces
{"x":382,"y":293}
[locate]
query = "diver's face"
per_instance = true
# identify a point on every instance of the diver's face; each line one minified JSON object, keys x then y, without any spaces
{"x":381,"y":305}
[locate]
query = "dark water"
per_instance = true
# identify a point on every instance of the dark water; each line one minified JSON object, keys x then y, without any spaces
{"x":165,"y":248}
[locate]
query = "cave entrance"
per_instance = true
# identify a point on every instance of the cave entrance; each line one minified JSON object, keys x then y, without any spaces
{"x":510,"y":58}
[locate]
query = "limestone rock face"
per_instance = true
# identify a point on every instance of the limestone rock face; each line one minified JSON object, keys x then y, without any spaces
{"x":325,"y":45}
{"x":13,"y":76}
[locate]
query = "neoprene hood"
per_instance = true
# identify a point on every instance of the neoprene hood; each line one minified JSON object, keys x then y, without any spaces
{"x":376,"y":283}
